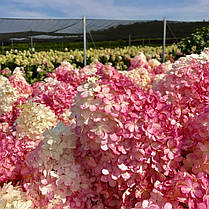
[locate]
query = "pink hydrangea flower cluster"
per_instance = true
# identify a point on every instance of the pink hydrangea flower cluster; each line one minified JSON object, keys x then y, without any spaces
{"x":162,"y":68}
{"x":187,"y":88}
{"x":196,"y":144}
{"x":124,"y":133}
{"x":143,"y":72}
{"x":95,"y":138}
{"x":139,"y":61}
{"x":6,"y":72}
{"x":56,"y":95}
{"x":13,"y":89}
{"x":12,"y":153}
{"x":73,"y":76}
{"x":14,"y":149}
{"x":14,"y":93}
{"x":59,"y":90}
{"x":19,"y":83}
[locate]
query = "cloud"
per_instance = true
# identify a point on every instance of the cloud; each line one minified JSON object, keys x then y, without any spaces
{"x":192,"y":10}
{"x":11,"y":10}
{"x":25,"y":14}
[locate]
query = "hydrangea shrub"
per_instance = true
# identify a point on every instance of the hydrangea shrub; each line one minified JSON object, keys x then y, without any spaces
{"x":97,"y":138}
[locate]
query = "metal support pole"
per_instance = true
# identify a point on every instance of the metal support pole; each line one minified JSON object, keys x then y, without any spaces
{"x":2,"y":47}
{"x":84,"y":39}
{"x":129,"y":39}
{"x":31,"y":42}
{"x":12,"y":43}
{"x":164,"y":38}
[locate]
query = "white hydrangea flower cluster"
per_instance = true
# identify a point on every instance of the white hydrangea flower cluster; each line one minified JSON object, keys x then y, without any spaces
{"x":140,"y":76}
{"x":56,"y":141}
{"x":50,"y":81}
{"x":57,"y":153}
{"x":86,"y":99}
{"x":8,"y":95}
{"x":90,"y":69}
{"x":158,"y":78}
{"x":67,"y":65}
{"x":18,"y":71}
{"x":58,"y":197}
{"x":13,"y":198}
{"x":34,"y":119}
{"x":153,"y":63}
{"x":56,"y":164}
{"x":203,"y":57}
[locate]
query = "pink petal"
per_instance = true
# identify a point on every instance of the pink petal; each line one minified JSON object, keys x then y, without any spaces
{"x":92,"y":108}
{"x":171,"y":155}
{"x":108,"y":108}
{"x":117,"y":107}
{"x":126,"y":176}
{"x":130,"y":127}
{"x":105,"y":89}
{"x":114,"y":137}
{"x":167,"y":206}
{"x":105,"y":171}
{"x":185,"y":189}
{"x":198,"y":193}
{"x":123,"y":167}
{"x":104,"y":147}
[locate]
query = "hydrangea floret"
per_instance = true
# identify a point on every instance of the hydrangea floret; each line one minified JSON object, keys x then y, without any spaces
{"x":33,"y":120}
{"x":8,"y":95}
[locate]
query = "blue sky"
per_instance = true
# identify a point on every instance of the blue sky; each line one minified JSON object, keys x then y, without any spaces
{"x":107,"y":9}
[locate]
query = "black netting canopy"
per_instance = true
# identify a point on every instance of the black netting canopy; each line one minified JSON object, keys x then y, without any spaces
{"x":51,"y":28}
{"x":98,"y":29}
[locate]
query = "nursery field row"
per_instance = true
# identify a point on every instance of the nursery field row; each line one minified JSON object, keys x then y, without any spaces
{"x":37,"y":64}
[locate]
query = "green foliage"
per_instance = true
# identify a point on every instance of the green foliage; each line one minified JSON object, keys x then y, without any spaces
{"x":196,"y":42}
